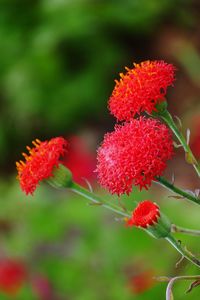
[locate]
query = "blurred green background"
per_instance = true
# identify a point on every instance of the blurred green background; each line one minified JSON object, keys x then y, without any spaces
{"x":58,"y":62}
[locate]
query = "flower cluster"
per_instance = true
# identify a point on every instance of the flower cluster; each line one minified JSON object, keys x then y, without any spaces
{"x":134,"y":154}
{"x":140,"y":89}
{"x":42,"y":158}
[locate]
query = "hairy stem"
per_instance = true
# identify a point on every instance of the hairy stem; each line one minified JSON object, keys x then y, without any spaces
{"x":188,"y":255}
{"x":172,"y":280}
{"x":163,"y":182}
{"x":166,"y":116}
{"x":121,"y":211}
{"x":99,"y":201}
{"x":175,"y":228}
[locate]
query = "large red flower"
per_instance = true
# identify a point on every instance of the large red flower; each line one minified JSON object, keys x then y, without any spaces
{"x":140,"y":89}
{"x":12,"y":275}
{"x":134,"y":154}
{"x":40,"y":162}
{"x":145,"y":214}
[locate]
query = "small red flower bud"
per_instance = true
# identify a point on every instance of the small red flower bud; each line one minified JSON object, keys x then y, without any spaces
{"x":145,"y":214}
{"x":40,"y":162}
{"x":12,"y":276}
{"x":140,"y":89}
{"x":134,"y":154}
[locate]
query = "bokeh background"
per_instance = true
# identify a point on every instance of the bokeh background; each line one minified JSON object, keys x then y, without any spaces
{"x":58,"y":62}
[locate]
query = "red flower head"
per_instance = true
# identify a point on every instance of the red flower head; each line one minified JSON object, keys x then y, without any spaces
{"x":40,"y":163}
{"x":140,"y":89}
{"x":80,"y":160}
{"x":134,"y":154}
{"x":12,"y":276}
{"x":145,"y":214}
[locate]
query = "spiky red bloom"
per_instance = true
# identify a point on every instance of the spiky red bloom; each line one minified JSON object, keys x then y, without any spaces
{"x":145,"y":214}
{"x":133,"y":155}
{"x":140,"y":89}
{"x":12,"y":275}
{"x":42,"y":158}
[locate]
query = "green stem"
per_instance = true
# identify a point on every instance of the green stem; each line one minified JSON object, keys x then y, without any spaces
{"x":166,"y":116}
{"x":175,"y":228}
{"x":183,"y":252}
{"x":98,"y":201}
{"x":171,"y":187}
{"x":119,"y":210}
{"x":173,"y":280}
{"x":163,"y":182}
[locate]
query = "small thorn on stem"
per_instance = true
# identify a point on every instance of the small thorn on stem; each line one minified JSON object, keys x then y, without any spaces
{"x":95,"y":204}
{"x":179,"y":122}
{"x":173,"y":179}
{"x":179,"y":261}
{"x":121,"y":204}
{"x":177,"y":145}
{"x":88,"y":184}
{"x":188,"y":136}
{"x":176,"y":197}
{"x":197,"y":191}
{"x":121,"y":220}
{"x":193,"y":285}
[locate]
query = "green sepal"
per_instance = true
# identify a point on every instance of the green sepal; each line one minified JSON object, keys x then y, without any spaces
{"x":190,"y":159}
{"x":161,"y":108}
{"x":61,"y":178}
{"x":161,"y":229}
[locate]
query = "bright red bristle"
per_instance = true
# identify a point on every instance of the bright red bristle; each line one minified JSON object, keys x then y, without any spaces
{"x":38,"y":165}
{"x":134,"y":154}
{"x":140,"y":89}
{"x":145,"y":214}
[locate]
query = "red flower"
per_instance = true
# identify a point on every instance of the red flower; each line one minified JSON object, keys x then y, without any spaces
{"x":140,"y":89}
{"x":141,"y":282}
{"x":40,"y":162}
{"x":195,"y":143}
{"x":145,"y":214}
{"x":80,"y":160}
{"x":12,"y":276}
{"x":134,"y":154}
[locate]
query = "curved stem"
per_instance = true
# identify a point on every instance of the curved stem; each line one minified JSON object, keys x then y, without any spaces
{"x":175,"y":228}
{"x":163,"y":182}
{"x":166,"y":116}
{"x":98,"y":201}
{"x":172,"y":280}
{"x":119,"y":210}
{"x":188,"y":255}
